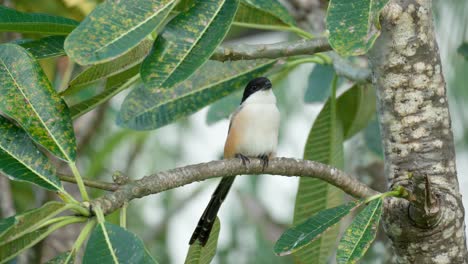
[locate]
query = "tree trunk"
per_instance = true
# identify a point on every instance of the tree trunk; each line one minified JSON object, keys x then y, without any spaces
{"x":417,"y":138}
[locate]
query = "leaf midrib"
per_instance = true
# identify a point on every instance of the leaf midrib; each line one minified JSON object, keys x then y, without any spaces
{"x":362,"y":234}
{"x":34,"y":109}
{"x":196,"y":41}
{"x":135,"y":27}
{"x":320,"y":227}
{"x":108,"y":243}
{"x":31,"y":169}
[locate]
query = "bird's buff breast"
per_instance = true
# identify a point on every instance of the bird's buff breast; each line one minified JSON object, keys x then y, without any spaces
{"x":260,"y":124}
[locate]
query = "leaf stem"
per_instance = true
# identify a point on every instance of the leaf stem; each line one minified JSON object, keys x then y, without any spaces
{"x":312,"y":59}
{"x":296,"y":30}
{"x":81,"y":238}
{"x":66,"y":197}
{"x":55,"y":220}
{"x":79,"y":181}
{"x":99,"y":214}
{"x":123,"y":215}
{"x":398,"y":191}
{"x":79,"y":209}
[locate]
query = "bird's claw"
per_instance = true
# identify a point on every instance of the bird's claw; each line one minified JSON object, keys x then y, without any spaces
{"x":243,"y":158}
{"x":265,"y":160}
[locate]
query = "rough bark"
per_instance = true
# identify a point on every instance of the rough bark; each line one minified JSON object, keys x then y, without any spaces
{"x":417,"y":138}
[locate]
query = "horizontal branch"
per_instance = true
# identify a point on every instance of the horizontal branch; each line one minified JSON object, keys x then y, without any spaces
{"x":177,"y":177}
{"x":271,"y":51}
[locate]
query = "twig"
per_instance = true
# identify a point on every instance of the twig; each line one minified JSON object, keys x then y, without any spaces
{"x":166,"y":180}
{"x":271,"y":51}
{"x":107,"y":186}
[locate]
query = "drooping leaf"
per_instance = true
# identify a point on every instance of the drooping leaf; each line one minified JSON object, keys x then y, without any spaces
{"x":47,"y":47}
{"x":84,"y":107}
{"x":28,"y":221}
{"x":353,"y":25}
{"x":21,"y":160}
{"x":302,"y":234}
{"x":111,"y":243}
{"x":223,"y":108}
{"x":29,"y":99}
{"x":463,"y":50}
{"x":15,"y":21}
{"x":274,"y":8}
{"x":356,"y":107}
{"x":187,"y":42}
{"x":63,"y":258}
{"x":324,"y":144}
{"x":264,"y":14}
{"x":320,"y":79}
{"x":144,"y":109}
{"x":6,"y":224}
{"x":199,"y":254}
{"x":373,"y":138}
{"x":360,"y":234}
{"x":113,"y":28}
{"x":13,"y":248}
{"x":111,"y":68}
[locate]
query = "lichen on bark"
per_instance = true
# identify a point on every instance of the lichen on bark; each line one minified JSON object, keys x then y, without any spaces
{"x":417,"y":137}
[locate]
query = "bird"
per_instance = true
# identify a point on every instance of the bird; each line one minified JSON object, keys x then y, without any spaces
{"x":253,"y":133}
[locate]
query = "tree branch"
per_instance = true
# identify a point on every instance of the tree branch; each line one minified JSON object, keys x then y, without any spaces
{"x":177,"y":177}
{"x":271,"y":51}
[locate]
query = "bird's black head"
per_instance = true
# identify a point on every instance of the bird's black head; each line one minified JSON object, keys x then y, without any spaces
{"x":255,"y":85}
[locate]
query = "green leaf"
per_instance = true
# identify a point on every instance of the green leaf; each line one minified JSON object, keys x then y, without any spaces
{"x":373,"y":138}
{"x":199,"y":254}
{"x":84,"y":107}
{"x":144,"y":109}
{"x":356,"y":107}
{"x":187,"y":42}
{"x":29,"y":99}
{"x":13,"y":248}
{"x":302,"y":234}
{"x":266,"y":14}
{"x":48,"y":47}
{"x":111,"y":68}
{"x":15,"y":21}
{"x":111,"y":243}
{"x":113,"y":28}
{"x":222,"y":108}
{"x":353,"y":25}
{"x":320,"y":79}
{"x":63,"y":258}
{"x":360,"y":234}
{"x":21,"y":160}
{"x":29,"y":221}
{"x":463,"y":50}
{"x":324,"y":144}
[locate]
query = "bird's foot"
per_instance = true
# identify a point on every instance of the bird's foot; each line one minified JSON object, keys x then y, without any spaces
{"x":265,"y":159}
{"x":244,"y":159}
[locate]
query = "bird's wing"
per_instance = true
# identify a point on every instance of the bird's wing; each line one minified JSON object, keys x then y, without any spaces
{"x":233,"y":135}
{"x":233,"y":115}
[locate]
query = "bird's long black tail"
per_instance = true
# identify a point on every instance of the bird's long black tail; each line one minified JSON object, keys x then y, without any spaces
{"x":206,"y":222}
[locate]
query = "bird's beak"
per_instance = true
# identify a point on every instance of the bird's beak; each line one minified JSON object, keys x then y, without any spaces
{"x":267,"y":86}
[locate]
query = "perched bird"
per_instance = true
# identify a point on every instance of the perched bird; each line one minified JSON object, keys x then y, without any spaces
{"x":253,"y":133}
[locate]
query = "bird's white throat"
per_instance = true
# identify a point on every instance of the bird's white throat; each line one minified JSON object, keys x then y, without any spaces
{"x":261,"y":97}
